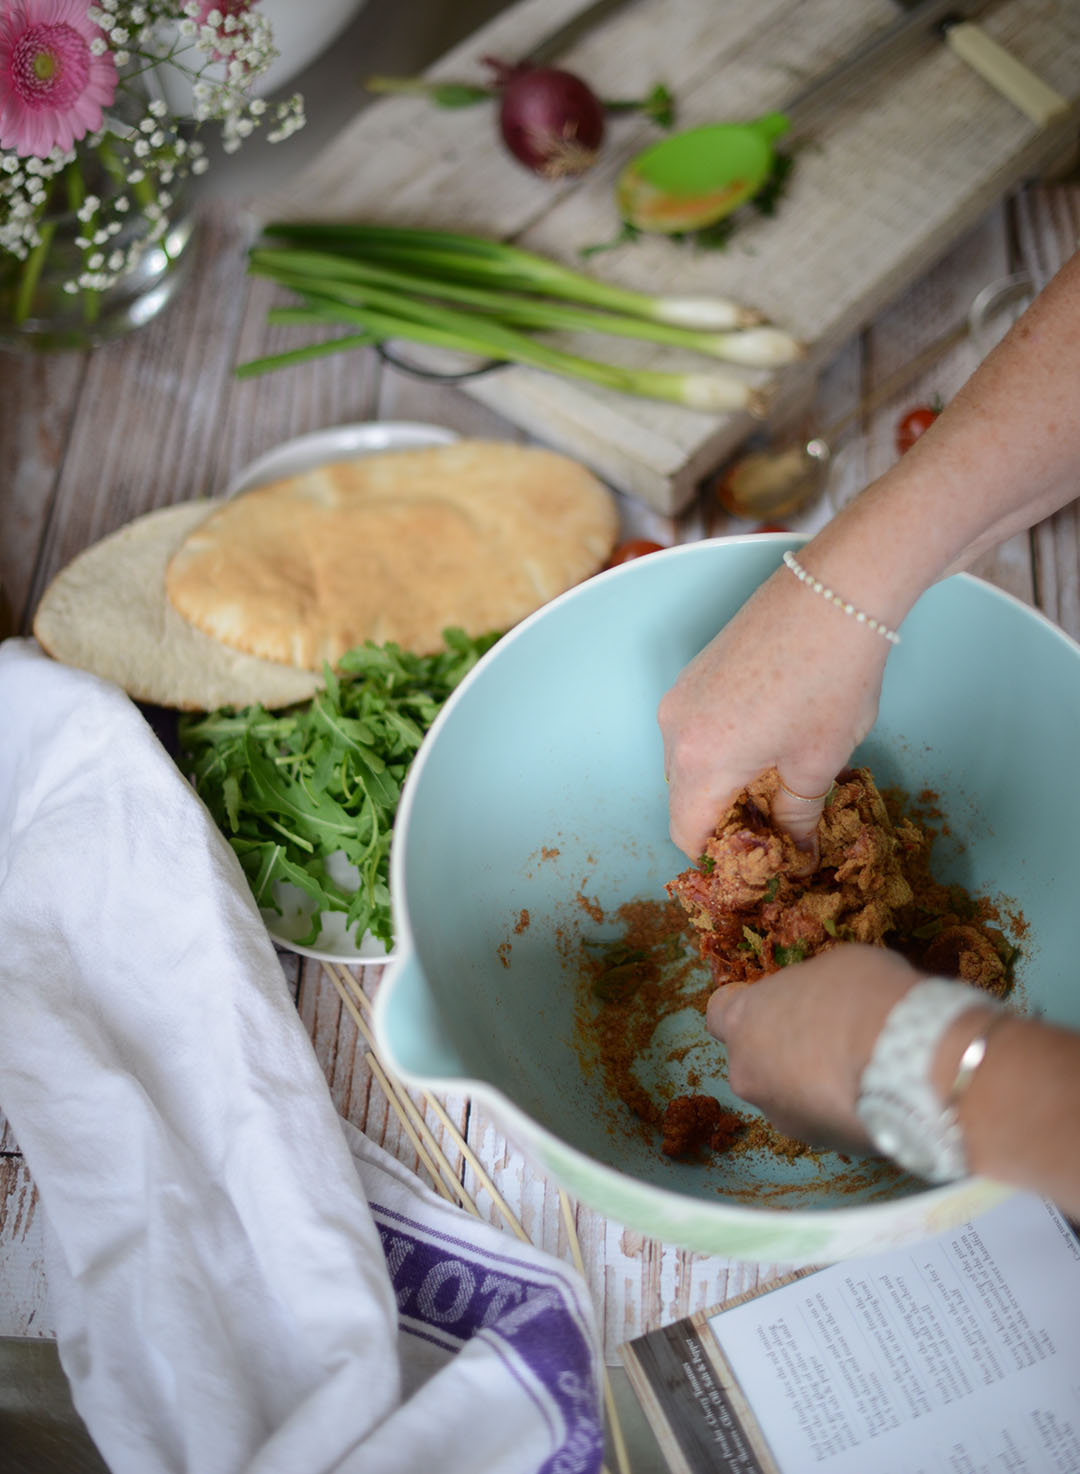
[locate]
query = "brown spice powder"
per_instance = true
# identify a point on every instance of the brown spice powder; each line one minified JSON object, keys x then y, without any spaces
{"x":590,"y":906}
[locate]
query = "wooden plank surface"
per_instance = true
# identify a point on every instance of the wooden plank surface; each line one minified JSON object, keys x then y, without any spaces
{"x":23,"y":1287}
{"x":92,"y":440}
{"x":898,"y":173}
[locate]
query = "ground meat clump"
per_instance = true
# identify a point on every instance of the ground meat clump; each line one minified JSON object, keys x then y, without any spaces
{"x":755,"y":908}
{"x":964,"y":952}
{"x":693,"y":1124}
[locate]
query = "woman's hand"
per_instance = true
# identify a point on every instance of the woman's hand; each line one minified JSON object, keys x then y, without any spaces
{"x":792,"y":683}
{"x":798,"y":1040}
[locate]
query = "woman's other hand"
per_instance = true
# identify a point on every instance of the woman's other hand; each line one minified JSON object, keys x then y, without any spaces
{"x":798,"y":1040}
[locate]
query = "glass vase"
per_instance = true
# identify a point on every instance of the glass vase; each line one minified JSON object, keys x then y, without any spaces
{"x":38,"y":310}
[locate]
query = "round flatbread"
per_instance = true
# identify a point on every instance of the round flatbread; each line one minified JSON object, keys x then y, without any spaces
{"x":395,"y":546}
{"x":106,"y":612}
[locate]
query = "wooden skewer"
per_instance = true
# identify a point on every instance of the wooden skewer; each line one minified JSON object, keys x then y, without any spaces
{"x":416,"y":1128}
{"x":481,"y":1175}
{"x":351,"y":995}
{"x":345,"y":979}
{"x":622,"y":1458}
{"x":400,"y":1103}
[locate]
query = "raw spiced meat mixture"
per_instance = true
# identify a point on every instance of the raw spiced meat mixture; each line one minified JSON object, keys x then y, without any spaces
{"x":752,"y":908}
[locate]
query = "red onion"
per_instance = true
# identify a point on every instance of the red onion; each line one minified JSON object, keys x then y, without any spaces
{"x":550,"y":120}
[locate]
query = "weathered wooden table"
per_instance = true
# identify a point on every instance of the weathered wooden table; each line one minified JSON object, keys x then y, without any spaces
{"x":92,"y":439}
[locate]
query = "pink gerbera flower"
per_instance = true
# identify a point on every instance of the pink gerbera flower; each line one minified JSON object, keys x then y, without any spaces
{"x":52,"y":86}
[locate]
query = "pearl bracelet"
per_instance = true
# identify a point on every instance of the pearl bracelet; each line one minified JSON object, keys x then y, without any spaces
{"x":818,"y":587}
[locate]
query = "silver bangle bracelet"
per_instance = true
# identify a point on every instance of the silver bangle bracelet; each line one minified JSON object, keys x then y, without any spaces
{"x":973,"y":1057}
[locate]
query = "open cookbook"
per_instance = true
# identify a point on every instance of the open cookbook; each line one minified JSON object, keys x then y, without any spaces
{"x":954,"y":1355}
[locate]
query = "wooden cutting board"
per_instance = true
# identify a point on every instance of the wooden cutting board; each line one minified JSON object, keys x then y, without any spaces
{"x":894,"y":176}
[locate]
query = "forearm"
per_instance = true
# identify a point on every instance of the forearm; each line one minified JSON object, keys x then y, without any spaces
{"x":1003,"y":455}
{"x":1021,"y":1114}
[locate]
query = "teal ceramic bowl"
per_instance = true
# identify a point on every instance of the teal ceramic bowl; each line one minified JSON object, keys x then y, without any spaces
{"x":538,"y":801}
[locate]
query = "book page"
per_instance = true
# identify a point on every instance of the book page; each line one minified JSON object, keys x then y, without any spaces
{"x":956,"y":1355}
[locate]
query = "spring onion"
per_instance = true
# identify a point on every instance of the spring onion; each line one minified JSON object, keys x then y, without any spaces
{"x":494,"y":263}
{"x":760,"y":347}
{"x":387,"y":315}
{"x":483,"y":297}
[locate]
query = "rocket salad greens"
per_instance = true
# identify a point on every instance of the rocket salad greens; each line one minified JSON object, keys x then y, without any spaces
{"x":288,"y":789}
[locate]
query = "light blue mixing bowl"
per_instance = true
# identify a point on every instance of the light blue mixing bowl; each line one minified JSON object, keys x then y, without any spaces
{"x":541,"y":788}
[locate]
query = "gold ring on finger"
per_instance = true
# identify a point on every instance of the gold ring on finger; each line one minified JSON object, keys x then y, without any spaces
{"x":804,"y":798}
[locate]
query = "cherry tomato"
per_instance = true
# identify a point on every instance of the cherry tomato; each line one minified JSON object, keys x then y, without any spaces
{"x":915,"y":423}
{"x":637,"y":547}
{"x":770,"y":527}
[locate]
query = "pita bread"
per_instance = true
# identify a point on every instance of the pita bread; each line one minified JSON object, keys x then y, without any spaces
{"x":106,"y":612}
{"x":394,"y":546}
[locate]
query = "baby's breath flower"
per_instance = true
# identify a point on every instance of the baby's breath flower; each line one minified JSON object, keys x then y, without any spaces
{"x":130,"y":166}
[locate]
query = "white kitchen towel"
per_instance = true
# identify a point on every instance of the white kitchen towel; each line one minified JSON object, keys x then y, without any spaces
{"x":240,"y":1281}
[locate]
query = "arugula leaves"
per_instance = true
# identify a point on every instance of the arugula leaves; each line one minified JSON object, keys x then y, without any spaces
{"x":290,"y":789}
